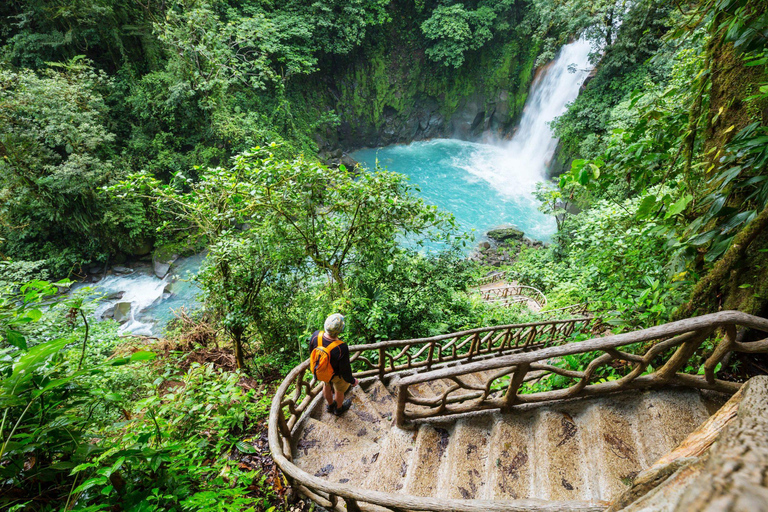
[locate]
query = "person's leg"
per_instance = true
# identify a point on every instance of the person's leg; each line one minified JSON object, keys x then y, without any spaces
{"x":328,"y":392}
{"x":340,"y":387}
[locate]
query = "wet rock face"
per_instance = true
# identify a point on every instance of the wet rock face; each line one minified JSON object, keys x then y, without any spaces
{"x":425,"y":117}
{"x":121,"y":312}
{"x":502,"y":247}
{"x":162,"y":260}
{"x":505,"y":234}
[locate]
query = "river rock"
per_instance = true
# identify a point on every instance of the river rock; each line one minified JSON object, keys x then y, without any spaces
{"x":349,"y":162}
{"x":505,"y":234}
{"x":171,"y":288}
{"x":484,"y":246}
{"x":162,"y":259}
{"x":120,"y":269}
{"x":114,"y":296}
{"x":122,"y":312}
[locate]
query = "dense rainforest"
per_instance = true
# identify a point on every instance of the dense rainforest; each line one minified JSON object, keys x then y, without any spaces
{"x":136,"y":130}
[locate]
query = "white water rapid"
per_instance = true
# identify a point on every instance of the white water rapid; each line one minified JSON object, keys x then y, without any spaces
{"x":148,"y":302}
{"x":514,"y":167}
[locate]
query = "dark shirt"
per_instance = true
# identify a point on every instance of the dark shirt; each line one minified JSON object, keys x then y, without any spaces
{"x":339,"y":357}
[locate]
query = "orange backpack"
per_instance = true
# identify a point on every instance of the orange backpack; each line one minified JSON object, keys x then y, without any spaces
{"x":320,"y":359}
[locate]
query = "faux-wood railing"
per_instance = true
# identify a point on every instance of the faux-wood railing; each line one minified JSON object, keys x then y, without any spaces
{"x":298,"y":390}
{"x":509,"y":382}
{"x":514,"y":293}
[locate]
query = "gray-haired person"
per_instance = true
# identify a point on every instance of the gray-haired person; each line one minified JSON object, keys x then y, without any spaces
{"x":338,"y":354}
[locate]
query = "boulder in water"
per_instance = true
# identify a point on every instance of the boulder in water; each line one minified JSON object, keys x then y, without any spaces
{"x":122,"y":312}
{"x":162,"y":259}
{"x":114,"y":296}
{"x":505,"y":234}
{"x":120,"y":269}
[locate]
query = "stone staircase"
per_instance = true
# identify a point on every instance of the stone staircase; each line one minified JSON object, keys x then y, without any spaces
{"x":587,"y":450}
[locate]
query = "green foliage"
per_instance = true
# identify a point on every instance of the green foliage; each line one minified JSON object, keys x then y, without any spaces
{"x":604,"y":256}
{"x":86,"y":428}
{"x":409,"y":295}
{"x":454,"y":31}
{"x":56,"y":154}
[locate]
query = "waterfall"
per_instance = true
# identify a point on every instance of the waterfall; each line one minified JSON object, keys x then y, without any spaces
{"x":514,"y":167}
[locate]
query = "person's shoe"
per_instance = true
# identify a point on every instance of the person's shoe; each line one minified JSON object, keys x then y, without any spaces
{"x":331,"y":409}
{"x":344,"y":407}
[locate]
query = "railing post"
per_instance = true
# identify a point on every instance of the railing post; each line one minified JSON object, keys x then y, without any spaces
{"x":510,"y":398}
{"x":352,"y":505}
{"x":402,"y":396}
{"x":473,"y":346}
{"x":382,"y":363}
{"x":430,"y":354}
{"x":719,"y":353}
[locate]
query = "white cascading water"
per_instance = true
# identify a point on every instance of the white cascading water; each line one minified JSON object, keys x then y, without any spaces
{"x":514,"y":167}
{"x":140,"y":290}
{"x":153,"y":301}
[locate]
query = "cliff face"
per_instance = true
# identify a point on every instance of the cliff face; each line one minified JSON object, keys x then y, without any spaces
{"x":391,"y":93}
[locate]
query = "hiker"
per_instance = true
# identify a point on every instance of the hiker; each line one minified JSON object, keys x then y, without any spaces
{"x":329,"y":362}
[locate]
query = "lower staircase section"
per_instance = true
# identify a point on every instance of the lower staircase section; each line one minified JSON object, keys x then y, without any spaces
{"x":587,"y":450}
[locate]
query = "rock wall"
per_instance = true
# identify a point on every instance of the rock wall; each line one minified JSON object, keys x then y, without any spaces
{"x":396,"y":95}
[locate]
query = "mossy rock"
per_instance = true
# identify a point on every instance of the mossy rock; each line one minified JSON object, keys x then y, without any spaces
{"x":505,"y":234}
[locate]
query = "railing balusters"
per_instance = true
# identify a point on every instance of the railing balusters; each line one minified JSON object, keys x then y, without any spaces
{"x":681,"y":356}
{"x":352,"y":505}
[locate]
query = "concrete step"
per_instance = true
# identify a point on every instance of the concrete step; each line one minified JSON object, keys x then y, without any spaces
{"x":431,"y":449}
{"x":613,"y":454}
{"x":396,"y":457}
{"x":325,"y":451}
{"x":382,"y":400}
{"x":560,"y":461}
{"x":464,"y":474}
{"x":665,"y":418}
{"x":511,"y":457}
{"x":362,"y":420}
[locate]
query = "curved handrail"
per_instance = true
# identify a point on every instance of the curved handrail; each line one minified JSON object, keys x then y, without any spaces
{"x":686,"y":336}
{"x":463,"y":346}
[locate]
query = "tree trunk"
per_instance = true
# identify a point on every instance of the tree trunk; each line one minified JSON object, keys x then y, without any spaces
{"x":237,"y":338}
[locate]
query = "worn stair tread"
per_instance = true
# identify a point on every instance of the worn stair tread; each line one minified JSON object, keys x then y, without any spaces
{"x":362,"y":419}
{"x":560,"y":473}
{"x":464,"y":475}
{"x":431,"y":446}
{"x":510,"y":467}
{"x":390,"y":469}
{"x":382,"y":400}
{"x":667,"y":416}
{"x":613,"y":451}
{"x":324,"y":451}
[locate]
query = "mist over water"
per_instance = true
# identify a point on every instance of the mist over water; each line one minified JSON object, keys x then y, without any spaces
{"x":487,"y":185}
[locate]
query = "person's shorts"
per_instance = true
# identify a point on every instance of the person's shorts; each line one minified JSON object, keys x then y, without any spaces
{"x":339,"y":385}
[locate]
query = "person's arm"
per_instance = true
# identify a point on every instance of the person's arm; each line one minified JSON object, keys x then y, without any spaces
{"x":345,"y":369}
